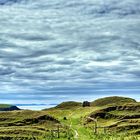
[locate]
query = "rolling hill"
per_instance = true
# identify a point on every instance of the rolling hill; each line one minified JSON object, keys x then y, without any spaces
{"x":7,"y":107}
{"x":116,"y":118}
{"x":69,"y":105}
{"x":112,"y":100}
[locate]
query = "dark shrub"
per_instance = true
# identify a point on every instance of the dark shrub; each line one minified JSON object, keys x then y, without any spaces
{"x":86,"y":104}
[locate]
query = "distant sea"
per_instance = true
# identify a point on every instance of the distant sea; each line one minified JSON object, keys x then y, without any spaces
{"x":80,"y":98}
{"x":35,"y":106}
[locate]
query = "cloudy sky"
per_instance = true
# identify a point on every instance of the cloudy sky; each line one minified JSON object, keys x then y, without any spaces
{"x":58,"y":50}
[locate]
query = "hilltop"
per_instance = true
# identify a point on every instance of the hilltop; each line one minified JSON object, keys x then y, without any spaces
{"x":68,"y":105}
{"x":99,"y":102}
{"x":112,"y":100}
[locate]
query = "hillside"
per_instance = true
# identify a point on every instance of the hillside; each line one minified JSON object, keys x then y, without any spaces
{"x":99,"y":102}
{"x":117,"y":118}
{"x":112,"y":100}
{"x":69,"y":105}
{"x":71,"y":121}
{"x":25,"y":124}
{"x":7,"y":107}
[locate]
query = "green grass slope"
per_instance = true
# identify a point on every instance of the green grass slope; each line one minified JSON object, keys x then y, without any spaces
{"x":121,"y":120}
{"x":118,"y":118}
{"x":69,"y":105}
{"x":112,"y":100}
{"x":25,"y":123}
{"x":7,"y":107}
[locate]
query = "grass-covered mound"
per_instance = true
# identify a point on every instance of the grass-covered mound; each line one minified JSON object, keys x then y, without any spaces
{"x":26,"y":123}
{"x":7,"y":107}
{"x":97,"y":103}
{"x":112,"y":100}
{"x":69,"y":105}
{"x":118,"y":118}
{"x":4,"y":105}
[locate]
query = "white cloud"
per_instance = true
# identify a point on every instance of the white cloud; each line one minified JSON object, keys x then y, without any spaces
{"x":66,"y":44}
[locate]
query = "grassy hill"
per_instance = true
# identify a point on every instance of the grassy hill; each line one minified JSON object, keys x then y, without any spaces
{"x":25,"y":124}
{"x":118,"y":118}
{"x":4,"y":105}
{"x":68,"y":105}
{"x":114,"y":121}
{"x":7,"y":107}
{"x":112,"y":100}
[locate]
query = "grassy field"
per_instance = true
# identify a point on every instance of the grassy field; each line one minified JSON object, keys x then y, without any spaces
{"x":71,"y":121}
{"x":4,"y":105}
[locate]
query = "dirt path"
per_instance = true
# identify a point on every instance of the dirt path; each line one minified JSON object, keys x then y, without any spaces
{"x":75,"y":131}
{"x":76,"y":134}
{"x":71,"y":126}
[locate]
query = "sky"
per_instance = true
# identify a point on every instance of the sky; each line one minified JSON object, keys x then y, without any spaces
{"x":59,"y":50}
